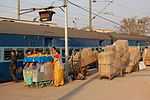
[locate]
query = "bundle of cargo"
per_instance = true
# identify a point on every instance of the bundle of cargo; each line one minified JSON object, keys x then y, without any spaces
{"x":105,"y":60}
{"x":134,"y":59}
{"x":80,"y":60}
{"x":88,"y":56}
{"x":146,"y":56}
{"x":121,"y":46}
{"x":110,"y":48}
{"x":122,"y":55}
{"x":114,"y":59}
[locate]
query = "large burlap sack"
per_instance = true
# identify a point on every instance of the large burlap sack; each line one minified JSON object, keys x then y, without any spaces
{"x":108,"y":63}
{"x":125,"y":59}
{"x":110,"y":48}
{"x":121,"y":58}
{"x":118,"y":67}
{"x":88,"y":56}
{"x":108,"y":70}
{"x":106,"y":57}
{"x":135,"y":54}
{"x":121,"y":47}
{"x":146,"y":52}
{"x":80,"y":60}
{"x":146,"y":56}
{"x":134,"y":58}
{"x":105,"y":70}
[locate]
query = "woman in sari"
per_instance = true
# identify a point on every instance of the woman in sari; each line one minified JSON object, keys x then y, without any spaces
{"x":58,"y":68}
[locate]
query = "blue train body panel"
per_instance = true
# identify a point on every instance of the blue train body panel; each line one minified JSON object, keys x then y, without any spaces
{"x":7,"y":40}
{"x":25,"y":41}
{"x":4,"y":71}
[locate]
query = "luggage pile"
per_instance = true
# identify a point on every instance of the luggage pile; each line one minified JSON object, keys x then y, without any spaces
{"x":105,"y":60}
{"x":88,"y":56}
{"x":146,"y":56}
{"x":79,"y":62}
{"x":114,"y":60}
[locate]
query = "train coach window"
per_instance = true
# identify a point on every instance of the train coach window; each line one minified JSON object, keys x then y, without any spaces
{"x":47,"y":50}
{"x":7,"y":54}
{"x":58,"y":50}
{"x":63,"y":52}
{"x":70,"y":51}
{"x":63,"y":55}
{"x":39,"y":49}
{"x":1,"y":54}
{"x":20,"y":53}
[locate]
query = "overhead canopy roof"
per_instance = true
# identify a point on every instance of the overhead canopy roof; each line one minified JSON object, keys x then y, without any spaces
{"x":43,"y":30}
{"x":9,"y":27}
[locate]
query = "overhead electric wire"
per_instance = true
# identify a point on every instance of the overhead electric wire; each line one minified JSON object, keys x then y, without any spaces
{"x":101,"y":10}
{"x":74,"y":4}
{"x":107,"y":19}
{"x":12,"y":11}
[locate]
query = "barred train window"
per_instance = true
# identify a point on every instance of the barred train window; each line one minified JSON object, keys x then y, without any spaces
{"x":47,"y":50}
{"x":39,"y":49}
{"x":7,"y":54}
{"x":20,"y":53}
{"x":1,"y":55}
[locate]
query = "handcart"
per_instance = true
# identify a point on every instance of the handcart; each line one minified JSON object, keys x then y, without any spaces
{"x":38,"y":75}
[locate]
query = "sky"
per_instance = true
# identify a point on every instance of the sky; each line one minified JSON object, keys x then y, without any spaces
{"x":116,"y":11}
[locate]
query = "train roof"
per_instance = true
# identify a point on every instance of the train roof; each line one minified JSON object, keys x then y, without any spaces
{"x":12,"y":27}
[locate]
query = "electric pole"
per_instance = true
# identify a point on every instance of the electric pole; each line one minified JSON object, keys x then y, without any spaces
{"x":18,"y":9}
{"x":66,"y":31}
{"x":90,"y":15}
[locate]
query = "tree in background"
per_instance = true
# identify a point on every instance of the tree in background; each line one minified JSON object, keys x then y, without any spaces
{"x":134,"y":25}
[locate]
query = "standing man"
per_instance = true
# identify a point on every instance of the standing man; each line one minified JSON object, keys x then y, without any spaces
{"x":13,"y":65}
